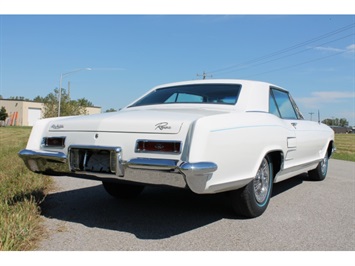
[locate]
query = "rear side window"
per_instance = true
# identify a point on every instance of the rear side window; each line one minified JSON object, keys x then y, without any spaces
{"x":280,"y":104}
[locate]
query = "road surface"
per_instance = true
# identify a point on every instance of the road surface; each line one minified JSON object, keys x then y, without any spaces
{"x":302,"y":215}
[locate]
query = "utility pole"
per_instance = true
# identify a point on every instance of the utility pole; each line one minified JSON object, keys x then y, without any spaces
{"x":60,"y":84}
{"x":311,"y":113}
{"x":204,"y":75}
{"x":69,"y":90}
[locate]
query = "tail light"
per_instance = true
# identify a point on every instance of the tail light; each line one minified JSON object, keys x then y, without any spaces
{"x":158,"y":146}
{"x":53,"y":142}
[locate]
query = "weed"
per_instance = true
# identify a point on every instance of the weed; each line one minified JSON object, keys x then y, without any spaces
{"x":21,"y":191}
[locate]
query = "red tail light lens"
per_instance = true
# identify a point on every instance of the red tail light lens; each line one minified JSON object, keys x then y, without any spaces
{"x":158,"y":146}
{"x":54,"y":142}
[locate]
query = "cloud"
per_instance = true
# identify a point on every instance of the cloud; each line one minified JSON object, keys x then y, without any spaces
{"x":332,"y":95}
{"x":324,"y":97}
{"x":350,"y":49}
{"x":328,"y":49}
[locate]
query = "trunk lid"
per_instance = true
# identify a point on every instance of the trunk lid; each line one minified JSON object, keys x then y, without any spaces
{"x":137,"y":120}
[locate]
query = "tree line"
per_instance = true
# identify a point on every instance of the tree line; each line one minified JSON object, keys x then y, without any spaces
{"x":338,"y":122}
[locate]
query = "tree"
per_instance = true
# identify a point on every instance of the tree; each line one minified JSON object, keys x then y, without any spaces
{"x":38,"y":99}
{"x":342,"y":122}
{"x":3,"y":114}
{"x":67,"y":107}
{"x":1,"y":97}
{"x":20,"y":98}
{"x":110,"y":110}
{"x":84,"y":102}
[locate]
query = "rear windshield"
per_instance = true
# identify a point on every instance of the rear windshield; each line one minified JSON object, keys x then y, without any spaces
{"x":195,"y":94}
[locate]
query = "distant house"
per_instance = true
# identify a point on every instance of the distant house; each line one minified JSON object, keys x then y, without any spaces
{"x":26,"y":113}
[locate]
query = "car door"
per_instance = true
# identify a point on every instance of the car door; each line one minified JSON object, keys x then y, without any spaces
{"x":301,"y":138}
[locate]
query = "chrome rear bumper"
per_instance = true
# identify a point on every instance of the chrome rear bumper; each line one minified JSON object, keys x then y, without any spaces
{"x":142,"y":170}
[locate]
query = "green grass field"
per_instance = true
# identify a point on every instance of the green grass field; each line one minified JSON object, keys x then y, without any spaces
{"x":21,"y":191}
{"x":345,"y":147}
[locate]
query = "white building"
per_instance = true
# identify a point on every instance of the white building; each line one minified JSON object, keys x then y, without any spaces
{"x":26,"y":113}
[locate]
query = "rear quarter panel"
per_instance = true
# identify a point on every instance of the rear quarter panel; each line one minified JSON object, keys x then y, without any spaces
{"x":237,"y":143}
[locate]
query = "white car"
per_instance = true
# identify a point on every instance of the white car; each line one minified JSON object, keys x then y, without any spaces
{"x":209,"y":136}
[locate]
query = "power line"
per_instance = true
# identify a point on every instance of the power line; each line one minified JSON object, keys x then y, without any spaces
{"x":299,"y":64}
{"x":347,"y":27}
{"x":295,"y":53}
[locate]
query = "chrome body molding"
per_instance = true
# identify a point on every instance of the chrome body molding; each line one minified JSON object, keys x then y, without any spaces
{"x":142,"y":170}
{"x":152,"y":164}
{"x":296,"y":170}
{"x":46,"y":155}
{"x":36,"y":161}
{"x":200,"y":168}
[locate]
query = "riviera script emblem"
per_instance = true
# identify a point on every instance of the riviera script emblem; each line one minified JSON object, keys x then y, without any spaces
{"x":57,"y":126}
{"x":162,"y":126}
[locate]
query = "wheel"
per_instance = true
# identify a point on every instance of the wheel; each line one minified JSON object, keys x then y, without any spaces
{"x":122,"y":190}
{"x":320,"y":172}
{"x":252,"y":200}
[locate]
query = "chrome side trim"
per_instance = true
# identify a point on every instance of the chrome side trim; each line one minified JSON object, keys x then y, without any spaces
{"x":295,"y":170}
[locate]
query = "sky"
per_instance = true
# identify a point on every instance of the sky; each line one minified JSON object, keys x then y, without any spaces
{"x":312,"y":56}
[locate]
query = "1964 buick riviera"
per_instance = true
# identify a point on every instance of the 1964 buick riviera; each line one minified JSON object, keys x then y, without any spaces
{"x":209,"y":136}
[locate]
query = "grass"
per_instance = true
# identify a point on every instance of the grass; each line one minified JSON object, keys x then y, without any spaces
{"x":345,"y":147}
{"x":21,"y":191}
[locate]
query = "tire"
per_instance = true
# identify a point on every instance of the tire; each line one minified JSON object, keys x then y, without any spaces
{"x":252,"y":200}
{"x":121,"y":190}
{"x":320,"y":172}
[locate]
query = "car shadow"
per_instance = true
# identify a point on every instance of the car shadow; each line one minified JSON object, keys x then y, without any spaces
{"x":288,"y":184}
{"x":158,"y":213}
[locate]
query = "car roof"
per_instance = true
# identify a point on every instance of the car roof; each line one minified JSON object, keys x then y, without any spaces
{"x":253,"y":83}
{"x":254,"y":96}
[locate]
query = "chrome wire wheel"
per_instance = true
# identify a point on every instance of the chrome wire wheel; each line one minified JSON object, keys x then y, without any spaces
{"x":252,"y":200}
{"x":319,"y":173}
{"x":324,"y":165}
{"x":261,"y":183}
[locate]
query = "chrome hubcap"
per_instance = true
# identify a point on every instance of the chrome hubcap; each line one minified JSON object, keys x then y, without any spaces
{"x":324,"y":165}
{"x":262,"y":182}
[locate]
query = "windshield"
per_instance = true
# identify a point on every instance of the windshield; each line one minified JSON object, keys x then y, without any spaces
{"x":194,"y":93}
